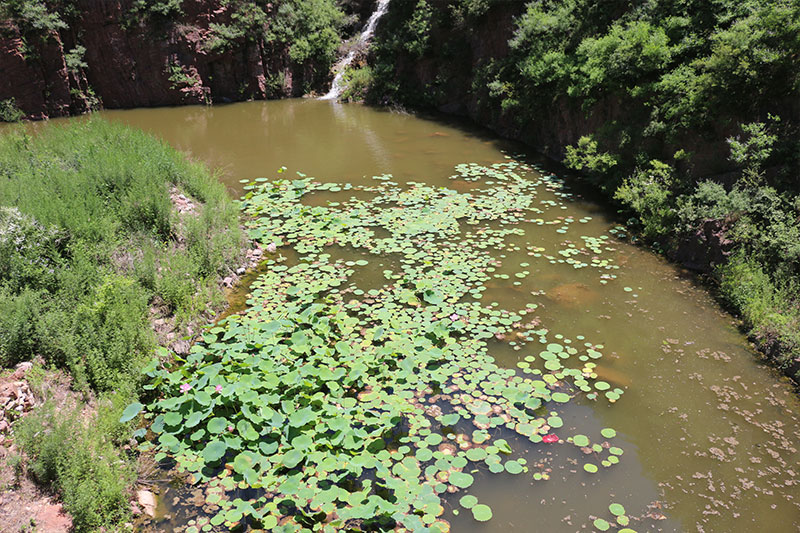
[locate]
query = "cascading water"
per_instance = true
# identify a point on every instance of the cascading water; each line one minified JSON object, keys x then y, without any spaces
{"x":369,"y":28}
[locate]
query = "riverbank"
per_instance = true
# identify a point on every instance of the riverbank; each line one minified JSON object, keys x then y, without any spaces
{"x":112,"y":243}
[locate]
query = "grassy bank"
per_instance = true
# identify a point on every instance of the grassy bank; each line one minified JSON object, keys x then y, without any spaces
{"x":90,"y":245}
{"x":683,"y":112}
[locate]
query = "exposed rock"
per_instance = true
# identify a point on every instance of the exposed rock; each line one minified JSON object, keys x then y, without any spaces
{"x":181,"y":347}
{"x":22,"y":369}
{"x":53,"y":519}
{"x":147,"y":501}
{"x":707,"y":247}
{"x":16,"y":398}
{"x":134,"y":60}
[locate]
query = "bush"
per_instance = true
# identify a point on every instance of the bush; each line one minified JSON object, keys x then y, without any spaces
{"x":84,"y":196}
{"x":711,"y":201}
{"x":585,"y":157}
{"x":74,"y":453}
{"x":767,"y":308}
{"x":357,"y":82}
{"x":29,"y":252}
{"x":648,"y":192}
{"x":9,"y":112}
{"x":19,"y":314}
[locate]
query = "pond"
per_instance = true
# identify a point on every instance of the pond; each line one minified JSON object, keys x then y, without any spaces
{"x":704,"y":436}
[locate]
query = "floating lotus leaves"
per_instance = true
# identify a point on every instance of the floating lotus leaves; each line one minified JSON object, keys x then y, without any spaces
{"x":608,"y":433}
{"x":360,"y":401}
{"x":468,"y":501}
{"x":482,"y":513}
{"x":214,"y":451}
{"x":601,"y":525}
{"x":580,"y":440}
{"x":616,"y":509}
{"x":461,"y":480}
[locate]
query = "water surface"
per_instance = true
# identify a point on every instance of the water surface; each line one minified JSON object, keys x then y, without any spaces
{"x":710,"y":435}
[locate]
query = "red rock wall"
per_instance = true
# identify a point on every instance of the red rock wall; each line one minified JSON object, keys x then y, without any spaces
{"x":40,"y":87}
{"x":129,"y":62}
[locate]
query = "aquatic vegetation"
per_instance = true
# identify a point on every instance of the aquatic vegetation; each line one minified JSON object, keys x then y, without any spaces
{"x":327,"y":405}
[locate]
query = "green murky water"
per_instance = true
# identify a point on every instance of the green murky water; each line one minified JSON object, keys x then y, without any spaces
{"x":710,"y":436}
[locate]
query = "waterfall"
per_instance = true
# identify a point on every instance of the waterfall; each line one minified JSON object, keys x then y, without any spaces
{"x":369,"y":28}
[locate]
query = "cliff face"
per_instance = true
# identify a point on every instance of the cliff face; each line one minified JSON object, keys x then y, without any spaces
{"x":450,"y":75}
{"x":132,"y":60}
{"x":40,"y":88}
{"x":465,"y":65}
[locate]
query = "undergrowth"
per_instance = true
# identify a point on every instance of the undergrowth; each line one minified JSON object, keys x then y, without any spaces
{"x":89,"y":241}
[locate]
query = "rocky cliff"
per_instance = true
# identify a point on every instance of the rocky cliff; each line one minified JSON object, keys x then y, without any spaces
{"x":115,"y":54}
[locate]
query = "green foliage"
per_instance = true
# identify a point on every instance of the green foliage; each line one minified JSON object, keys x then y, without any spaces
{"x":585,"y":157}
{"x":32,"y":16}
{"x":159,"y":8}
{"x":768,"y":306}
{"x":309,"y":28}
{"x":627,"y":55}
{"x":418,"y":28}
{"x":19,"y":314}
{"x":710,"y":201}
{"x":648,"y":192}
{"x":753,"y":151}
{"x":29,"y":252}
{"x":179,"y":78}
{"x":75,"y":58}
{"x":88,"y":201}
{"x":357,"y":82}
{"x":9,"y":112}
{"x":77,"y":455}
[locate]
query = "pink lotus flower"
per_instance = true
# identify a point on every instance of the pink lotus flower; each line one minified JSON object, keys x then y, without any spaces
{"x":230,"y":428}
{"x":218,"y":388}
{"x":454,"y":317}
{"x":549,"y":439}
{"x":186,"y":387}
{"x":271,"y":247}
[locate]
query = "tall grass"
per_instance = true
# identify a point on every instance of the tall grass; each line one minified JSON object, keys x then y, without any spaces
{"x":88,"y":243}
{"x":77,"y":204}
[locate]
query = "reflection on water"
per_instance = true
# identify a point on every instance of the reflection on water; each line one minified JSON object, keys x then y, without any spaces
{"x":710,"y":435}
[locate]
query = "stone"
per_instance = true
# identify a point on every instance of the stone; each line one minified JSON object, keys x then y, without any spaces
{"x":147,"y":500}
{"x":53,"y":519}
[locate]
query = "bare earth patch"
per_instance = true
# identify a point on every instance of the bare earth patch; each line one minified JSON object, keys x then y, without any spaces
{"x":23,"y":505}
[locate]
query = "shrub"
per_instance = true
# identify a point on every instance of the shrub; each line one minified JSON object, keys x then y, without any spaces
{"x":112,"y":333}
{"x":73,"y":453}
{"x":9,"y":112}
{"x":766,"y":306}
{"x":357,"y":82}
{"x":585,"y":157}
{"x":83,"y":196}
{"x":648,"y":192}
{"x":710,"y":200}
{"x":29,"y":252}
{"x":19,"y":314}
